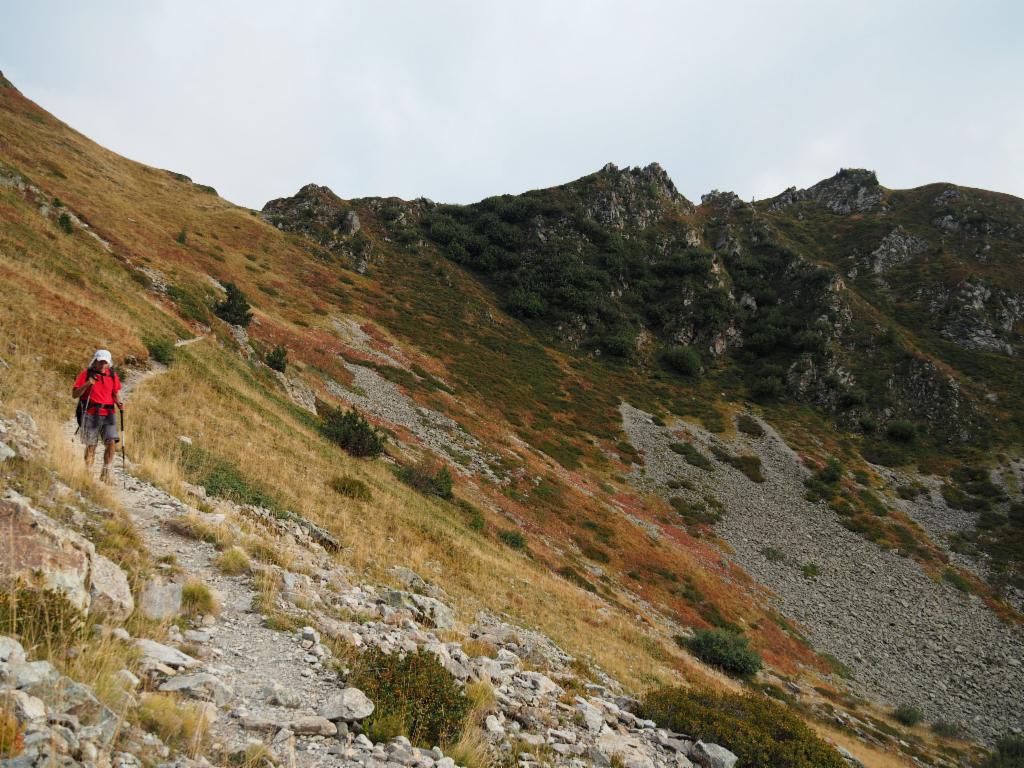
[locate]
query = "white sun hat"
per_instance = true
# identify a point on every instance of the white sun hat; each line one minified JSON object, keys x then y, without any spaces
{"x":104,"y":355}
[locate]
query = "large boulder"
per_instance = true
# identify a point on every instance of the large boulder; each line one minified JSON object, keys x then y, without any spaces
{"x":109,"y":589}
{"x":156,"y":654}
{"x":712,"y":756}
{"x":44,"y":553}
{"x":349,"y":705}
{"x":160,"y":600}
{"x":38,"y":550}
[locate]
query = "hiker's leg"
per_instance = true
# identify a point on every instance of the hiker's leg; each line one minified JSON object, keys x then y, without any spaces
{"x":90,"y":454}
{"x":109,"y":450}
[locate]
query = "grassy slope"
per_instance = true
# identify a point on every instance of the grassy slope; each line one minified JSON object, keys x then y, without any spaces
{"x":64,"y":294}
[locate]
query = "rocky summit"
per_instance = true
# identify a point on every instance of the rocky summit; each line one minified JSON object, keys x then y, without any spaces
{"x":591,"y":475}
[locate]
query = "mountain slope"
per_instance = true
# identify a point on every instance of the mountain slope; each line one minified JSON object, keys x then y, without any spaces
{"x":503,"y":338}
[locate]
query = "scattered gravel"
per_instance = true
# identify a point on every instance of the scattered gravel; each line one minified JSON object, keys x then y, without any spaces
{"x":908,"y":638}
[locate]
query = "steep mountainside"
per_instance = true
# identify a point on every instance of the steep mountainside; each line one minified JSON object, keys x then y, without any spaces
{"x":794,"y":422}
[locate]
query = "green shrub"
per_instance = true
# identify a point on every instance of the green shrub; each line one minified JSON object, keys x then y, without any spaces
{"x":759,"y":731}
{"x":349,"y":430}
{"x":682,"y":360}
{"x":277,"y":358}
{"x":161,"y":350}
{"x":350,"y":487}
{"x":412,"y":694}
{"x":197,"y":599}
{"x":748,"y":425}
{"x":222,"y":478}
{"x":767,"y":389}
{"x":64,"y":222}
{"x":692,"y":455}
{"x":182,"y":237}
{"x":772,"y":554}
{"x":694,"y":512}
{"x":429,"y":476}
{"x":957,"y":580}
{"x":1009,"y":753}
{"x":513,"y":539}
{"x":235,"y":308}
{"x":749,"y":465}
{"x":907,"y":714}
{"x":728,"y":651}
{"x":947,"y":729}
{"x":474,"y":517}
{"x":901,"y":431}
{"x":810,"y":571}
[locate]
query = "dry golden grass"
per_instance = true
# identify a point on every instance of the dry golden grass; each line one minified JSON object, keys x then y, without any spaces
{"x":179,"y":723}
{"x":233,"y":561}
{"x":197,"y":599}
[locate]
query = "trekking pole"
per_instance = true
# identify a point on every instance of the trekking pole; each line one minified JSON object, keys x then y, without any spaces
{"x":124,"y":462}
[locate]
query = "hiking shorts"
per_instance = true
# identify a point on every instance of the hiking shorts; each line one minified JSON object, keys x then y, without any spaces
{"x":94,"y":426}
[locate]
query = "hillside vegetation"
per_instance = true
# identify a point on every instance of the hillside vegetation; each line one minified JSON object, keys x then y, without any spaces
{"x":441,"y":388}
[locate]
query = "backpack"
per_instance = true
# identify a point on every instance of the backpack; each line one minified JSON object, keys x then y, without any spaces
{"x":80,"y":406}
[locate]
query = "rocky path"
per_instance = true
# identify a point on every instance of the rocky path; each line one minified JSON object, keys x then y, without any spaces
{"x":909,"y":639}
{"x":257,"y":686}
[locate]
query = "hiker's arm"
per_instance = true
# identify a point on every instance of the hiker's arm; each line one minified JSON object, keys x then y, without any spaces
{"x":77,"y":392}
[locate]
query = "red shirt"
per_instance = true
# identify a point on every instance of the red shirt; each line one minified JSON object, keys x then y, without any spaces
{"x":104,"y":388}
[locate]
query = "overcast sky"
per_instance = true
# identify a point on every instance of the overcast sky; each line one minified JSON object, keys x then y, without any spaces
{"x":459,"y":100}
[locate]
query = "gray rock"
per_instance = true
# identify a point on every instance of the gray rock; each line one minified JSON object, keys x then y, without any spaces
{"x":349,"y":705}
{"x":160,"y":600}
{"x":24,"y":705}
{"x":28,"y":674}
{"x":259,"y":723}
{"x":10,"y":649}
{"x":201,"y":685}
{"x":6,"y":452}
{"x":712,"y":756}
{"x":154,"y":653}
{"x":313,"y":725}
{"x":109,"y":589}
{"x":278,"y":695}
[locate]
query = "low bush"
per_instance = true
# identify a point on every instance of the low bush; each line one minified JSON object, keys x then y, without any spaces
{"x":277,"y":358}
{"x":749,"y":465}
{"x":728,"y":651}
{"x":412,"y":694}
{"x":694,"y":512}
{"x":957,"y":580}
{"x":1009,"y":753}
{"x":947,"y":729}
{"x":161,"y":350}
{"x":474,"y":517}
{"x":350,"y":487}
{"x":64,"y":222}
{"x":907,"y":714}
{"x":682,"y":360}
{"x":350,"y":431}
{"x":901,"y":431}
{"x":692,"y":455}
{"x":748,"y":425}
{"x":429,"y":476}
{"x":513,"y":539}
{"x":758,"y":730}
{"x":235,"y":308}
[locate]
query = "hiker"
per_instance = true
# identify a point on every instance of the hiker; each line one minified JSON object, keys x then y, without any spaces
{"x":98,"y":390}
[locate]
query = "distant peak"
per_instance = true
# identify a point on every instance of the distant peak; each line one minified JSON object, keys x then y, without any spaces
{"x":653,"y":176}
{"x":851,"y":190}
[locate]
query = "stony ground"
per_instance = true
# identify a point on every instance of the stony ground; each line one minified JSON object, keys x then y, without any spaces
{"x":280,"y":689}
{"x":908,"y":638}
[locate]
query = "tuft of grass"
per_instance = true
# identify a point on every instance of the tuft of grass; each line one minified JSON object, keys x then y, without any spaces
{"x":234,"y":561}
{"x":193,"y":526}
{"x":748,"y":464}
{"x":12,"y":734}
{"x":428,"y":476}
{"x":178,"y":723}
{"x":947,"y":730}
{"x":748,"y":425}
{"x":198,"y":599}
